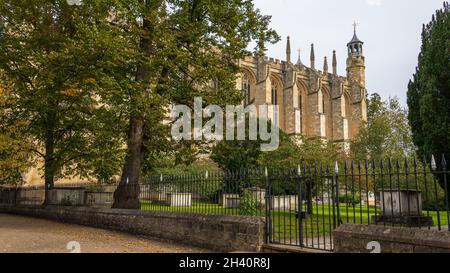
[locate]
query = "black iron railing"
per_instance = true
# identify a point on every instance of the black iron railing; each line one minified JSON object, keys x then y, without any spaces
{"x":303,"y":205}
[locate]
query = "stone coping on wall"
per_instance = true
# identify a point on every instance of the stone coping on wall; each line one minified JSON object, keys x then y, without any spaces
{"x":222,"y":233}
{"x":355,"y":238}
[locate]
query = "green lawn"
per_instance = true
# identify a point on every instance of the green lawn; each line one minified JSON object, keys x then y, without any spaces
{"x":285,"y":225}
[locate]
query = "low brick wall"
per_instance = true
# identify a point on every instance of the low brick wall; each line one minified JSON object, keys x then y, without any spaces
{"x":355,"y":238}
{"x":224,"y":233}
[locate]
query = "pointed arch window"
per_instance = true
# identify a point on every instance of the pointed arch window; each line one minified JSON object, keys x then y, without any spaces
{"x":323,"y":105}
{"x":274,"y":94}
{"x":246,"y":88}
{"x":300,"y":104}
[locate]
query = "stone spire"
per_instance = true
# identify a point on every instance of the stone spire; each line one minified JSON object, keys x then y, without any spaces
{"x":334,"y":63}
{"x":288,"y":50}
{"x":325,"y":65}
{"x":313,"y":58}
{"x":299,"y":60}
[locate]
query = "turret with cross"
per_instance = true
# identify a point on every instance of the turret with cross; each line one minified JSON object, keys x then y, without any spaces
{"x":355,"y":46}
{"x":356,"y":61}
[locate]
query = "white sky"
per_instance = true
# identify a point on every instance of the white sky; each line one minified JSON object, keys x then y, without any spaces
{"x":390,"y":30}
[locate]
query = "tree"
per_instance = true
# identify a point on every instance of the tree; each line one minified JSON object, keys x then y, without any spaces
{"x":237,"y":154}
{"x":293,"y":151}
{"x":14,"y":146}
{"x":429,"y":90}
{"x":56,"y":59}
{"x":181,"y":46}
{"x":386,"y":134}
{"x":311,"y":154}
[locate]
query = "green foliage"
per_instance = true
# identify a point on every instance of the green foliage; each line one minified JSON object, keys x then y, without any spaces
{"x":14,"y":145}
{"x":349,"y":199}
{"x":183,"y":46}
{"x":56,"y":59}
{"x":292,"y":152}
{"x":236,"y":155}
{"x":295,"y":150}
{"x":86,"y":83}
{"x":248,"y":205}
{"x":387,"y":133}
{"x":310,"y":154}
{"x":167,"y":165}
{"x":429,"y":90}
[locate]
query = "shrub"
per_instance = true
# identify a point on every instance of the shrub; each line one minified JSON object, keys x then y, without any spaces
{"x":248,"y":204}
{"x":431,"y":204}
{"x":349,"y":200}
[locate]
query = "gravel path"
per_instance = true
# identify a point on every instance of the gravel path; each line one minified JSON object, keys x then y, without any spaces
{"x":30,"y":235}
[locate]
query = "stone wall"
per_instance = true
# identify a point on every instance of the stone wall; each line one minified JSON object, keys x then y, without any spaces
{"x":355,"y":239}
{"x":224,"y":233}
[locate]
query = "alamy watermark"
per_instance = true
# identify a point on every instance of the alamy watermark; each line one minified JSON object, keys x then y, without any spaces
{"x":235,"y":118}
{"x":75,"y":2}
{"x":74,"y":247}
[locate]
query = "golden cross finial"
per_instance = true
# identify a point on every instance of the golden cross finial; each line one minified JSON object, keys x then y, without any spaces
{"x":355,"y":25}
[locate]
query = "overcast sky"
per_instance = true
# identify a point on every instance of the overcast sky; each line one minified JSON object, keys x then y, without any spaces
{"x":390,"y":30}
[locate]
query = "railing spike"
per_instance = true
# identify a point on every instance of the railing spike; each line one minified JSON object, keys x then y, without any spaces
{"x":444,"y":163}
{"x":433,"y":163}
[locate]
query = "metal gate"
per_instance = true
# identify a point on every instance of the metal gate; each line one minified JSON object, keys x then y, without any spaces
{"x":301,"y":209}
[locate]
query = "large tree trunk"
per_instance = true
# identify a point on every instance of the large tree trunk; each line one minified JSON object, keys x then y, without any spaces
{"x":127,"y":193}
{"x":49,"y":167}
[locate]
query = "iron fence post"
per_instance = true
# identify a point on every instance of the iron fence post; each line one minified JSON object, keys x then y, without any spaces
{"x":336,"y":171}
{"x":300,"y":205}
{"x":268,"y":198}
{"x":333,"y":199}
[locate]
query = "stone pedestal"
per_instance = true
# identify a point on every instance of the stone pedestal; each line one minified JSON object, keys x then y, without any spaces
{"x":30,"y":196}
{"x":67,"y":196}
{"x":179,"y":199}
{"x":401,"y":202}
{"x":284,"y":202}
{"x":99,"y":199}
{"x":230,"y":200}
{"x":401,"y":207}
{"x":157,"y":197}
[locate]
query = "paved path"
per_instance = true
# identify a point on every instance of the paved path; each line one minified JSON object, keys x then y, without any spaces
{"x":25,"y":235}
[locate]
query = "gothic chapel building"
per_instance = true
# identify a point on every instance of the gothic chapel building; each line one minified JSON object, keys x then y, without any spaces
{"x":310,"y":102}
